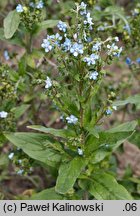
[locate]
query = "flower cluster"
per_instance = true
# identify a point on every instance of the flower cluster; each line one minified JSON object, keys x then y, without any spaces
{"x":76,"y":49}
{"x":62,"y":26}
{"x":91,"y":60}
{"x":87,"y":16}
{"x":38,"y":5}
{"x":114,"y":50}
{"x":50,"y":42}
{"x":93,"y":75}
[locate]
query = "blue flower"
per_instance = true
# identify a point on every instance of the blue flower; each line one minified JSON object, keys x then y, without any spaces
{"x":20,"y":172}
{"x":98,"y":8}
{"x":80,"y":151}
{"x":3,"y":114}
{"x":46,"y":45}
{"x":72,"y":119}
{"x":40,"y":5}
{"x":88,"y":20}
{"x":6,"y":55}
{"x":138,"y":60}
{"x":19,"y":8}
{"x":128,"y":61}
{"x":93,"y":75}
{"x":62,"y":26}
{"x":108,"y":112}
{"x":51,"y":40}
{"x":32,"y":4}
{"x":76,"y":49}
{"x":67,"y":44}
{"x":48,"y":83}
{"x":96,"y":47}
{"x":114,"y":50}
{"x":83,"y":8}
{"x":127,"y":28}
{"x":11,"y":155}
{"x":91,"y":60}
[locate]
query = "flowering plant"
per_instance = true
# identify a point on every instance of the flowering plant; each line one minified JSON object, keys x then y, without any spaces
{"x":81,"y":151}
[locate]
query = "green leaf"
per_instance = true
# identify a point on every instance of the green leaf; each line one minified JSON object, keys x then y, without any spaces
{"x":20,"y":110}
{"x":48,"y":194}
{"x":64,"y":133}
{"x":99,"y":155}
{"x":14,"y":40}
{"x":135,"y":138}
{"x":125,"y":127}
{"x":11,"y":23}
{"x":48,"y":24}
{"x":135,"y":99}
{"x":113,"y":140}
{"x":68,"y":173}
{"x":38,"y":146}
{"x":104,"y":187}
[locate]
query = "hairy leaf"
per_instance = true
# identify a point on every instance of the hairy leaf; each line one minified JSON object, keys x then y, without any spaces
{"x":64,"y":133}
{"x":48,"y":194}
{"x":11,"y":23}
{"x":68,"y":173}
{"x":37,"y":146}
{"x":104,"y":187}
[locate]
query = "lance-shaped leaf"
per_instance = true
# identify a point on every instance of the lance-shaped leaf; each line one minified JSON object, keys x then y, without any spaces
{"x":64,"y":133}
{"x":135,"y":99}
{"x":125,"y":127}
{"x":20,"y":110}
{"x":68,"y":174}
{"x":38,"y":146}
{"x":104,"y":187}
{"x":113,"y":137}
{"x":11,"y":23}
{"x":48,"y":194}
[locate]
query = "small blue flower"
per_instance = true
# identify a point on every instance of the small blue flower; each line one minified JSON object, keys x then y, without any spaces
{"x":11,"y":155}
{"x":20,"y":172}
{"x":72,"y":119}
{"x":80,"y":151}
{"x":98,"y":8}
{"x":32,"y":4}
{"x":96,"y":47}
{"x":128,"y":61}
{"x":48,"y":83}
{"x":3,"y":114}
{"x":108,"y":112}
{"x":19,"y":8}
{"x":127,"y":28}
{"x":6,"y":55}
{"x":62,"y":26}
{"x":76,"y":49}
{"x":93,"y":75}
{"x":67,"y":44}
{"x":138,"y":60}
{"x":114,"y":107}
{"x":40,"y":5}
